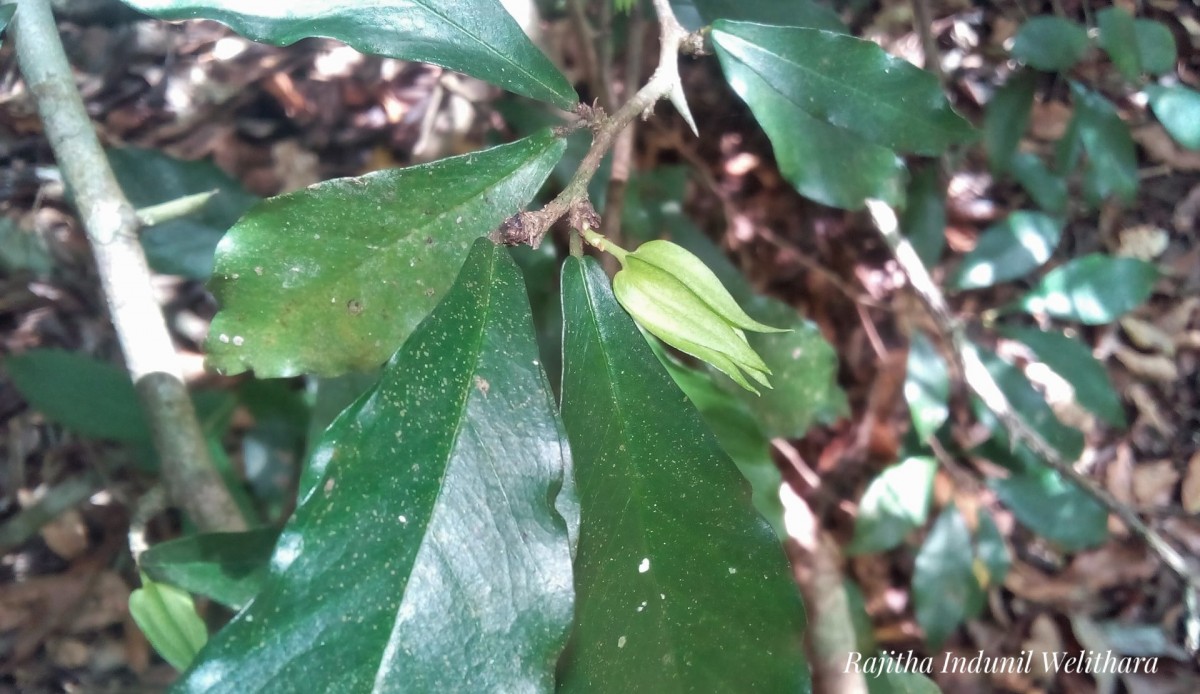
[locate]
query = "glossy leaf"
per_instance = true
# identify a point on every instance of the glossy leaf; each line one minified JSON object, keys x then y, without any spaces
{"x":923,"y":220}
{"x":794,"y":13}
{"x":1156,"y":47}
{"x":1073,"y":360}
{"x":1012,"y":248}
{"x":944,"y":585}
{"x":1112,"y":159}
{"x":1118,"y":38}
{"x":926,"y":386}
{"x":1047,"y":189}
{"x":428,"y":555}
{"x":884,"y":99}
{"x":1031,"y":407}
{"x":991,"y":551}
{"x":1178,"y":109}
{"x":831,"y":165}
{"x":895,"y":503}
{"x":681,"y":586}
{"x":182,"y":246}
{"x":85,"y":395}
{"x":1054,"y":508}
{"x":1094,"y":289}
{"x":1006,"y":119}
{"x":477,"y":37}
{"x":168,"y":618}
{"x":738,"y":433}
{"x":227,"y":567}
{"x":333,"y":278}
{"x":1050,"y":43}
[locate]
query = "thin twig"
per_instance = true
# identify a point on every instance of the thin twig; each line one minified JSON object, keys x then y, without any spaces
{"x":112,"y":225}
{"x":531,"y":227}
{"x":980,"y":380}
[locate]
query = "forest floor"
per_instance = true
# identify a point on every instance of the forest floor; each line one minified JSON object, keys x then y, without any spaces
{"x":278,"y":119}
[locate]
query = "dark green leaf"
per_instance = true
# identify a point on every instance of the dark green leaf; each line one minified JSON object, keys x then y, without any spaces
{"x":1046,"y":188}
{"x":182,"y":246}
{"x":991,"y":550}
{"x":681,"y":586}
{"x":168,"y":618}
{"x":895,"y":503}
{"x":429,"y":555}
{"x":1118,"y":38}
{"x":1073,"y":360}
{"x":1050,"y":43}
{"x":738,"y":433}
{"x":1178,"y":109}
{"x":227,"y":567}
{"x":334,"y":277}
{"x":477,"y":37}
{"x":1008,"y":250}
{"x":923,"y":220}
{"x":944,"y":585}
{"x":926,"y":386}
{"x":826,"y":163}
{"x":1006,"y":119}
{"x":1094,"y":289}
{"x":1156,"y":46}
{"x":1112,"y":159}
{"x":895,"y":679}
{"x":1031,"y":407}
{"x":794,"y":13}
{"x":884,"y":99}
{"x":1054,"y":508}
{"x":23,"y":249}
{"x":89,"y":397}
{"x":6,"y":14}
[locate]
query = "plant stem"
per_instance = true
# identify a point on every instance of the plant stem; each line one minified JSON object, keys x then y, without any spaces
{"x":601,"y":243}
{"x":980,"y":380}
{"x":111,"y":225}
{"x":573,"y":199}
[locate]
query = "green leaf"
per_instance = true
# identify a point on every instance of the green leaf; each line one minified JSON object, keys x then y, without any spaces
{"x":895,"y":503}
{"x":1050,"y":43}
{"x":23,"y":250}
{"x":738,"y":433}
{"x":1178,"y":109}
{"x":1028,"y":404}
{"x":923,"y":220}
{"x":944,"y":585}
{"x":1118,"y":38}
{"x":680,"y":584}
{"x":6,"y":14}
{"x":794,"y":13}
{"x":1009,"y":249}
{"x":1047,"y":189}
{"x":87,"y":396}
{"x":831,"y":165}
{"x":227,"y":567}
{"x":881,"y":98}
{"x":333,"y":278}
{"x":1156,"y":47}
{"x":1073,"y":360}
{"x":1006,"y":118}
{"x":477,"y":37}
{"x":182,"y":246}
{"x":1054,"y":508}
{"x":991,"y":551}
{"x":897,"y":680}
{"x":926,"y":386}
{"x":1094,"y":289}
{"x":1112,"y":158}
{"x":168,"y":618}
{"x":429,"y":554}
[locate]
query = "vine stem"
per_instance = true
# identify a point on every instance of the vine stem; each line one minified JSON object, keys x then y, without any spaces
{"x":980,"y":380}
{"x":664,"y":83}
{"x":111,"y":224}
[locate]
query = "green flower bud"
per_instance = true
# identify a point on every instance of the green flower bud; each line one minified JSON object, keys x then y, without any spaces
{"x":675,"y":297}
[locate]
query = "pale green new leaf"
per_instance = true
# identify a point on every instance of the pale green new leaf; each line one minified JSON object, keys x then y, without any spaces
{"x":167,"y":616}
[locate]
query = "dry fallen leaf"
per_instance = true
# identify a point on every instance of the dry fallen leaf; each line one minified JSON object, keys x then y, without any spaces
{"x":1154,"y":483}
{"x":1190,"y":493}
{"x":1154,"y":367}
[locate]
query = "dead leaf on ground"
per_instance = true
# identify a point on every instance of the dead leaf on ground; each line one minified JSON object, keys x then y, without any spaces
{"x":1154,"y":483}
{"x":1190,"y":493}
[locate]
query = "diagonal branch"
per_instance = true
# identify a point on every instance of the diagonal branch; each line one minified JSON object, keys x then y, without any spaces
{"x":112,"y":225}
{"x":980,"y":380}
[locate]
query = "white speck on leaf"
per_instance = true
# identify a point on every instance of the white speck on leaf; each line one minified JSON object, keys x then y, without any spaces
{"x":644,"y":566}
